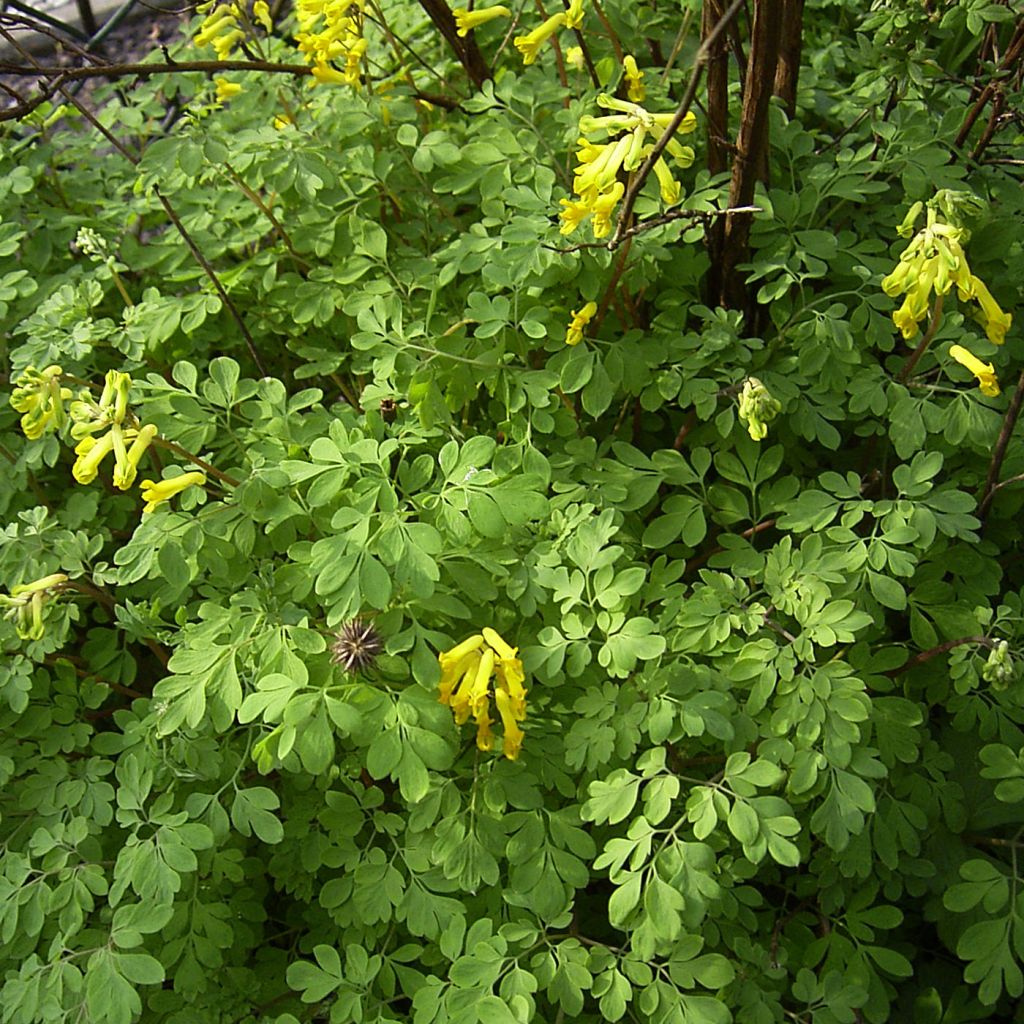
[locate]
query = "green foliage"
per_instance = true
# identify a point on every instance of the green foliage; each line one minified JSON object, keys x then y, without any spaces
{"x":774,"y":756}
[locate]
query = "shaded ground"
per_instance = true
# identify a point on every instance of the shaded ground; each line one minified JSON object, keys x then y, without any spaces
{"x":146,"y":29}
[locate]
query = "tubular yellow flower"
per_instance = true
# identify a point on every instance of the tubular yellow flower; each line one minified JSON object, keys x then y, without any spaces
{"x":455,"y":656}
{"x":261,"y":12}
{"x":223,"y":46}
{"x":91,"y":451}
{"x":580,"y":319}
{"x":53,"y":580}
{"x":637,"y":92}
{"x":226,"y":89}
{"x":484,"y":736}
{"x":997,"y":323}
{"x":530,"y":44}
{"x":604,"y":206}
{"x":466,"y":21}
{"x":26,"y":601}
{"x":574,"y":15}
{"x":220,"y":20}
{"x":326,"y":75}
{"x":574,"y":57}
{"x":459,"y":699}
{"x":687,"y":125}
{"x":127,"y":468}
{"x":682,"y":155}
{"x":500,"y":648}
{"x":154,"y":494}
{"x":479,"y":690}
{"x":988,"y":383}
{"x":597,"y":175}
{"x":671,"y":190}
{"x":513,"y":739}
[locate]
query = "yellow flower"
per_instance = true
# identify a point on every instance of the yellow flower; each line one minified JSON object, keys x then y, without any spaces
{"x":480,"y":687}
{"x":41,"y":398}
{"x":637,"y":92}
{"x":91,"y":451}
{"x":574,"y":15}
{"x":513,"y":738}
{"x":988,"y":383}
{"x":466,"y":21}
{"x":671,"y":190}
{"x":603,"y":208}
{"x":530,"y":44}
{"x":572,"y":215}
{"x":484,"y":736}
{"x":223,"y":46}
{"x":997,"y":323}
{"x":53,"y":580}
{"x":261,"y":12}
{"x":127,"y":467}
{"x":226,"y":89}
{"x":687,"y":125}
{"x":326,"y":75}
{"x":220,"y":19}
{"x":580,"y":319}
{"x":154,"y":494}
{"x":282,"y":121}
{"x":465,"y":687}
{"x":574,"y":57}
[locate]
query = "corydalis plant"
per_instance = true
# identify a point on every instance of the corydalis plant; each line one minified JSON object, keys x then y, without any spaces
{"x":633,"y":131}
{"x":935,"y":260}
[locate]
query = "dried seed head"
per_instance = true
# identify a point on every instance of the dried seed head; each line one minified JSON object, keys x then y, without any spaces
{"x":357,"y":645}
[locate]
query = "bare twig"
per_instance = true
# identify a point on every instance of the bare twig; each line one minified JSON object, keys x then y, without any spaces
{"x":143,"y":70}
{"x":934,"y":652}
{"x":164,"y":201}
{"x":999,"y":452}
{"x":201,"y":463}
{"x":694,"y":216}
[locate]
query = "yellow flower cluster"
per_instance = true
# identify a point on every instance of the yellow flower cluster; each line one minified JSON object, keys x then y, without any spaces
{"x":338,"y":37}
{"x":123,"y":436}
{"x":466,"y":673}
{"x":25,"y":604}
{"x":100,"y":427}
{"x":529,"y":45}
{"x":757,"y":408}
{"x":39,"y":395}
{"x":580,"y":319}
{"x":935,"y":259}
{"x":466,"y":21}
{"x":597,"y":174}
{"x":126,"y":441}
